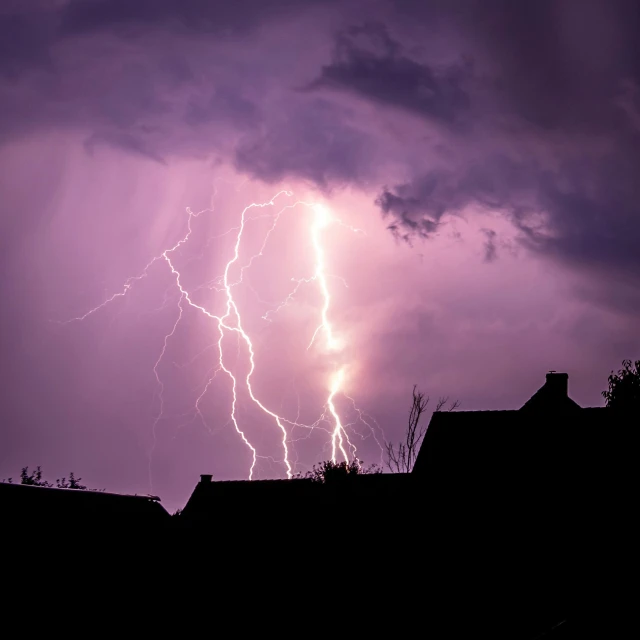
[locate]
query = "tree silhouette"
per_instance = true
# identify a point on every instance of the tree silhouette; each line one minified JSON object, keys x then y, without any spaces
{"x":329,"y":471}
{"x":401,"y":458}
{"x":35,"y":480}
{"x":623,"y":393}
{"x":72,"y":483}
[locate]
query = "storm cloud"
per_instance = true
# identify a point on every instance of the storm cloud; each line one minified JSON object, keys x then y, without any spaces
{"x":381,"y":72}
{"x":535,"y":112}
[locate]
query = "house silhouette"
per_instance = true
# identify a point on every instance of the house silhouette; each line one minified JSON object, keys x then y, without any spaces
{"x":507,"y":520}
{"x":501,"y":508}
{"x":539,"y":449}
{"x":473,"y":458}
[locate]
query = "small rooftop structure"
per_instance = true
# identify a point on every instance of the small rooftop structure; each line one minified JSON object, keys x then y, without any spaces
{"x":552,"y":396}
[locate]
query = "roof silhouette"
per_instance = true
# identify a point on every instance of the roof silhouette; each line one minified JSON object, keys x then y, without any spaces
{"x":501,"y":508}
{"x":542,"y":432}
{"x":87,"y":510}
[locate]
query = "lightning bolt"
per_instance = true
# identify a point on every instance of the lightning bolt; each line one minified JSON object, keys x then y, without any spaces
{"x":230,"y":323}
{"x":339,"y":436}
{"x":233,"y":309}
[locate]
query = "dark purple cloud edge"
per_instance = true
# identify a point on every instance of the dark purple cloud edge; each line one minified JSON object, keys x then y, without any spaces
{"x":562,"y":134}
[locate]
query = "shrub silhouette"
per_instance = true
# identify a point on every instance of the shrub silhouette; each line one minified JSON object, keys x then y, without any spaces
{"x":329,"y":471}
{"x":35,"y":480}
{"x":623,"y":393}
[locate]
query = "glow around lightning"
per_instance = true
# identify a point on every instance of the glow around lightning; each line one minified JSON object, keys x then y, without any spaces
{"x":338,"y":435}
{"x":230,"y":322}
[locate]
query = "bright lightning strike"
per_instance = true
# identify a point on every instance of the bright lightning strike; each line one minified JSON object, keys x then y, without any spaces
{"x":322,"y":219}
{"x":338,"y":435}
{"x":231,"y":323}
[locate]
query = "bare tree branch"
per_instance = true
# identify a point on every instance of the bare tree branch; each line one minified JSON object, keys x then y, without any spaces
{"x":401,"y":458}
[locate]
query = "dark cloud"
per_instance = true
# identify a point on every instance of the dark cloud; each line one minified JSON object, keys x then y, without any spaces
{"x":91,"y":64}
{"x":490,"y":249}
{"x":369,"y":63}
{"x":560,"y":64}
{"x":529,"y":109}
{"x":225,"y":103}
{"x":594,"y":210}
{"x":123,"y":141}
{"x":417,"y":207}
{"x":559,"y":147}
{"x":314,"y":143}
{"x":144,"y":95}
{"x":25,"y":39}
{"x":585,"y":210}
{"x":81,"y":16}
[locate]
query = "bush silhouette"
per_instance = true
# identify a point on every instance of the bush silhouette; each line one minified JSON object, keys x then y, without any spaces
{"x":623,"y":393}
{"x":34,"y":479}
{"x":329,"y":471}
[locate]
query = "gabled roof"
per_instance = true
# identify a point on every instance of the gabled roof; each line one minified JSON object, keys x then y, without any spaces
{"x":544,"y":428}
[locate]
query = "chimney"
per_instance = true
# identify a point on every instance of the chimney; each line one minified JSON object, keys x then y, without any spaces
{"x":205,"y":478}
{"x":558,"y":384}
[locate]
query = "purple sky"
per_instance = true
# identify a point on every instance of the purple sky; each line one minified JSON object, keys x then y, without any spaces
{"x":479,"y":162}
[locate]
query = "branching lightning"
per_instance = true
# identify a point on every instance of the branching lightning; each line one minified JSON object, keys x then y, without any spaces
{"x":230,"y":322}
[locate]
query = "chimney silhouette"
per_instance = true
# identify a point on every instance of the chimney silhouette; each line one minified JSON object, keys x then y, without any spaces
{"x":205,"y":478}
{"x":553,"y":395}
{"x":557,"y":384}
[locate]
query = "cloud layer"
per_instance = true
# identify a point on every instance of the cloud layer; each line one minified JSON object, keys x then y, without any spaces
{"x":532,"y":109}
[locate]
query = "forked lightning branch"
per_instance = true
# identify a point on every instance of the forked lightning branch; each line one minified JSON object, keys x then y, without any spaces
{"x":230,"y":322}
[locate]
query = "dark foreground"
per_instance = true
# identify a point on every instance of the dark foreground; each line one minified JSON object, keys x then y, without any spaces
{"x":505,"y":567}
